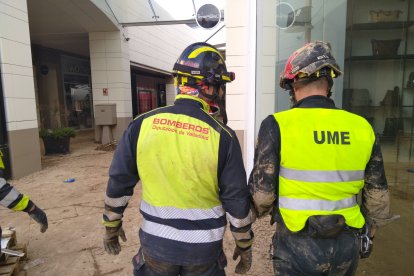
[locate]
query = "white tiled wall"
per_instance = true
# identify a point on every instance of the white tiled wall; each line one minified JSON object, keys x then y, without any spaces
{"x":160,"y":46}
{"x":156,"y":47}
{"x":110,"y":67}
{"x":16,"y":66}
{"x":266,"y":61}
{"x":240,"y":58}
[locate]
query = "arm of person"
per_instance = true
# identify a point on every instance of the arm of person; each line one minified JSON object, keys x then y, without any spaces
{"x":11,"y":198}
{"x":375,"y":194}
{"x":235,"y":198}
{"x":263,"y":178}
{"x":123,"y":176}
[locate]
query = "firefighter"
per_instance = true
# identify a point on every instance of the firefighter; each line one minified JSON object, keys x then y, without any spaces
{"x":14,"y":200}
{"x":192,"y":174}
{"x":310,"y":163}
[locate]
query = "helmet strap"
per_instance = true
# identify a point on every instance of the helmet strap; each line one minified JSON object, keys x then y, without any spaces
{"x":292,"y":97}
{"x":215,"y":98}
{"x":330,"y":84}
{"x":211,"y":98}
{"x":221,"y":103}
{"x":291,"y":90}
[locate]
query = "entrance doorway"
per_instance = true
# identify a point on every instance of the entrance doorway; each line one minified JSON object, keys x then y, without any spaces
{"x":78,"y":101}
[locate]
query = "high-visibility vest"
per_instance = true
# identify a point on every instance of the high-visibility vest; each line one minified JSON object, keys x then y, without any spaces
{"x":171,"y":190}
{"x":323,"y":157}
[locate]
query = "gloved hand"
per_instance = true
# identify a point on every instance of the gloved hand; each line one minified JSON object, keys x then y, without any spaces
{"x":40,"y":217}
{"x":245,"y":259}
{"x":111,"y":239}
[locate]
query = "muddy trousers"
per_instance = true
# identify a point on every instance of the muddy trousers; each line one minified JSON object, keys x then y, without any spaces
{"x":300,"y":254}
{"x":146,"y":266}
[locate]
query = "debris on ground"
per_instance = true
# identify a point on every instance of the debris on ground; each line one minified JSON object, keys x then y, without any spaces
{"x":111,"y":146}
{"x":12,"y":253}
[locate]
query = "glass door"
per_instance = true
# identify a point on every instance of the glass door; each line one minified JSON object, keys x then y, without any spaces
{"x":78,"y":101}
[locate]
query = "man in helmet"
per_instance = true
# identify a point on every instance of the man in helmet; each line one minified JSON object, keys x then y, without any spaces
{"x":310,"y":163}
{"x":192,"y":174}
{"x":14,"y":200}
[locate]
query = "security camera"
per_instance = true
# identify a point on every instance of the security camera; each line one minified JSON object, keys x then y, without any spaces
{"x":126,"y":38}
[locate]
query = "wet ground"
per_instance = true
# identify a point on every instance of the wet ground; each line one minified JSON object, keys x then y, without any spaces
{"x":73,"y":243}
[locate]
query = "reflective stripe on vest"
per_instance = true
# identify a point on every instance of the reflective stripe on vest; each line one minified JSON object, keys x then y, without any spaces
{"x":317,"y":205}
{"x":168,"y":212}
{"x":187,"y":236}
{"x":321,"y":176}
{"x":323,"y":157}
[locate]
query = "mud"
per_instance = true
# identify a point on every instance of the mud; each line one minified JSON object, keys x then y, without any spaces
{"x":73,"y":243}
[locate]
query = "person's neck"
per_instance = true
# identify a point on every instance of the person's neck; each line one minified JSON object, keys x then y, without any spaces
{"x":307,"y":92}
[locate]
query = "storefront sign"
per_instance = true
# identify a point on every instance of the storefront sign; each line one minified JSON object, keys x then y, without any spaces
{"x":75,"y":66}
{"x":208,"y":16}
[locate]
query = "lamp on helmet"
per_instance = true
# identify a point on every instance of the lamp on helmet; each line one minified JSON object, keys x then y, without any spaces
{"x":312,"y":61}
{"x":201,"y":62}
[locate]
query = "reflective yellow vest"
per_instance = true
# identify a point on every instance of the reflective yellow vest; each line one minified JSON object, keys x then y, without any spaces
{"x":182,"y":140}
{"x":323,"y":157}
{"x":179,"y":177}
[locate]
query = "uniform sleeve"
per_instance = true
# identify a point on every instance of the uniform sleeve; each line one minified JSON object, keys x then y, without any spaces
{"x":123,"y":176}
{"x":11,"y":198}
{"x":375,"y":194}
{"x":233,"y":190}
{"x":263,"y":181}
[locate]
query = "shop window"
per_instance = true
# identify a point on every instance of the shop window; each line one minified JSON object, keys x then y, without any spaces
{"x":149,"y":92}
{"x":299,"y":22}
{"x":78,"y":101}
{"x":378,"y":64}
{"x":145,"y":99}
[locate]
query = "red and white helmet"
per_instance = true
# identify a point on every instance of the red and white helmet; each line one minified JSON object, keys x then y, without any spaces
{"x":311,"y":60}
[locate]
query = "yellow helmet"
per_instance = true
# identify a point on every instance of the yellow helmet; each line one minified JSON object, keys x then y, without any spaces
{"x":201,"y":62}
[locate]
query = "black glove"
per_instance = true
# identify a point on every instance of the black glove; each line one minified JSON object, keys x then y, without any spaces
{"x":40,"y":217}
{"x":111,"y":239}
{"x":245,"y":259}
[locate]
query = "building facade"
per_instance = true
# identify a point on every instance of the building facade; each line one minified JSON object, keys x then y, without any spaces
{"x":61,"y":59}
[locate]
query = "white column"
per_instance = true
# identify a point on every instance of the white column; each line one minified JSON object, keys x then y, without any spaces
{"x":240,"y":58}
{"x":266,"y":60}
{"x":111,"y":77}
{"x":18,"y":88}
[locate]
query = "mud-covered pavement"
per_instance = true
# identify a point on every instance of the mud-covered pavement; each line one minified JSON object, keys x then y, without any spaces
{"x":73,"y":243}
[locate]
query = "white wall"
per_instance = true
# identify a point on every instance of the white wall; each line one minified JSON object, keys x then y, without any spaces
{"x":18,"y":88}
{"x":16,"y":66}
{"x":160,"y":46}
{"x":267,"y":51}
{"x":110,"y":68}
{"x":240,"y":58}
